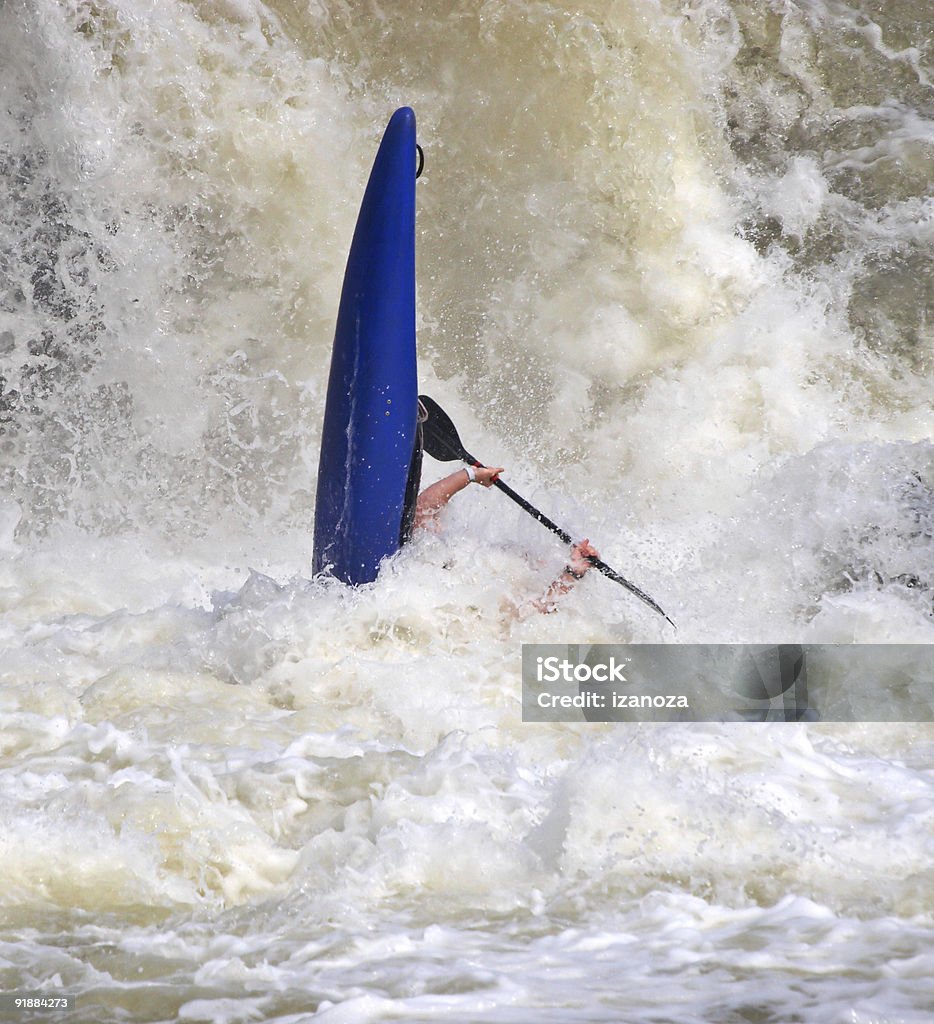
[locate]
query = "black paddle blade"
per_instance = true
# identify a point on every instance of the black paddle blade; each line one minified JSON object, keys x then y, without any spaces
{"x":440,"y":435}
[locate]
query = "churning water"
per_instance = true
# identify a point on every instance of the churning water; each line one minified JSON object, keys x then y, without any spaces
{"x":675,"y":273}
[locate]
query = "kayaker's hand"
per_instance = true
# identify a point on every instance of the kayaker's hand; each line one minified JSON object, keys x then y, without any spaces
{"x":487,"y":475}
{"x":581,"y":553}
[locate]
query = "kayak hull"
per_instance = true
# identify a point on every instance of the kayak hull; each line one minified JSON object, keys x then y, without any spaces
{"x":371,"y":410}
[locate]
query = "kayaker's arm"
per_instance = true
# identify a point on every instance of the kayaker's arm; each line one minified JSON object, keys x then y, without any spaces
{"x":578,"y":565}
{"x":434,"y":498}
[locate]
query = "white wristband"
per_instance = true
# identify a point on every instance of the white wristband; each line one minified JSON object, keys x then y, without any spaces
{"x":471,"y":474}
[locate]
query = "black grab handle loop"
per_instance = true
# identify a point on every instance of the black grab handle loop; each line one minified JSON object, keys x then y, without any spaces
{"x":421,"y":161}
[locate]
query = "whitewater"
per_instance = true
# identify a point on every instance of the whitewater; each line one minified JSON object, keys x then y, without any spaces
{"x":675,"y":274}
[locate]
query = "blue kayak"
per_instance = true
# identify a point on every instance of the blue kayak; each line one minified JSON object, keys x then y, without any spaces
{"x":368,"y":447}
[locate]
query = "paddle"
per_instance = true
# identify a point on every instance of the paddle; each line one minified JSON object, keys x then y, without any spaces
{"x":442,"y":443}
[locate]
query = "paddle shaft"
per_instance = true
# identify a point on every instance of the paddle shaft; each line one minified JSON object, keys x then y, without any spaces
{"x":597,"y":563}
{"x":443,"y":443}
{"x":533,"y":511}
